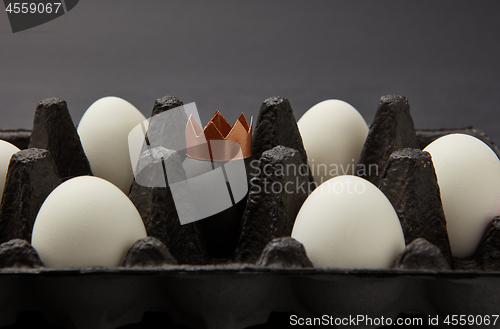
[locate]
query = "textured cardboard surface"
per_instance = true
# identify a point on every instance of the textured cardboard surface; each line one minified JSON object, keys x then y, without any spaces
{"x":239,"y":296}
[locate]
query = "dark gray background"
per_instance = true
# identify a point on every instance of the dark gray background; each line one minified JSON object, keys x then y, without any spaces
{"x":442,"y":55}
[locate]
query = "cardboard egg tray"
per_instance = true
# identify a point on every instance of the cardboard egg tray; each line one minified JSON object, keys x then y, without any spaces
{"x":246,"y":293}
{"x":240,"y":296}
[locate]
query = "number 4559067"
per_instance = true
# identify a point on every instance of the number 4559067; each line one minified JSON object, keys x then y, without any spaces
{"x":471,"y":320}
{"x":31,"y":7}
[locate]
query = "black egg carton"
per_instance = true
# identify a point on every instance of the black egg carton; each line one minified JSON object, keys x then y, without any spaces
{"x":269,"y":272}
{"x":240,"y":296}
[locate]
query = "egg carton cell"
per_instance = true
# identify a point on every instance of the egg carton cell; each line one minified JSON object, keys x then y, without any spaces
{"x":263,"y":275}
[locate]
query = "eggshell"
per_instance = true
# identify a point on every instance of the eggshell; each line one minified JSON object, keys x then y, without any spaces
{"x":468,"y":173}
{"x":104,"y":130}
{"x":86,"y":221}
{"x":6,"y":152}
{"x":348,"y":222}
{"x":333,"y":133}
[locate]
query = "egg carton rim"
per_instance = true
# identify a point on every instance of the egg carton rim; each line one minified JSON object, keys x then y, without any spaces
{"x":175,"y":270}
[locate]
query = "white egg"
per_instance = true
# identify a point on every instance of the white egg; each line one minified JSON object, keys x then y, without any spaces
{"x":104,"y":130}
{"x":6,"y":152}
{"x":348,"y":222}
{"x":86,"y":221}
{"x":468,"y":173}
{"x":333,"y":133}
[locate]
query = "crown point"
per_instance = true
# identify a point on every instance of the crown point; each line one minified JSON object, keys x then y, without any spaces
{"x":243,"y":121}
{"x":212,"y":132}
{"x":221,"y":123}
{"x":194,"y":126}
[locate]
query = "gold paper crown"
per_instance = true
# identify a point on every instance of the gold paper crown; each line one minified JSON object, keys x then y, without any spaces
{"x":219,"y":141}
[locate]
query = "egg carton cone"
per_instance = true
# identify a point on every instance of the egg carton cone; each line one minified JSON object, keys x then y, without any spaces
{"x":262,"y":278}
